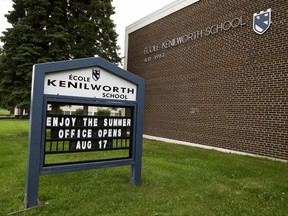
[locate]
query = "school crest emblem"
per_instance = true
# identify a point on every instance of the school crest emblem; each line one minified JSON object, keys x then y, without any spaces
{"x":262,"y":21}
{"x":96,"y":74}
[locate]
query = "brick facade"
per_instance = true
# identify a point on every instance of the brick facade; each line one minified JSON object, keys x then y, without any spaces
{"x":228,"y":89}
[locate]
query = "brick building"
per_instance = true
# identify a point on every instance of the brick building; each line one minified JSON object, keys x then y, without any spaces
{"x":213,"y":79}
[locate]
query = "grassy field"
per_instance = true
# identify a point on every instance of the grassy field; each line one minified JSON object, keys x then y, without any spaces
{"x":177,"y":180}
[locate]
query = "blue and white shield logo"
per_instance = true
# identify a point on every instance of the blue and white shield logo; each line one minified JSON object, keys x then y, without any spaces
{"x":261,"y":21}
{"x":96,"y":74}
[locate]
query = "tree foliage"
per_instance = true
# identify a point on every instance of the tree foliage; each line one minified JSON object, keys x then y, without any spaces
{"x":54,"y":30}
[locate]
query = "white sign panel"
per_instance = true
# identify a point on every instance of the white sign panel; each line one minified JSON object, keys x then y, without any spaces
{"x":89,"y":82}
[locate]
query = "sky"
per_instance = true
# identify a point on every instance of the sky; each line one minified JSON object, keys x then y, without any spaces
{"x":126,"y":13}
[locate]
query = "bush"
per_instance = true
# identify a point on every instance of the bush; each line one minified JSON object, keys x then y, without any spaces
{"x":79,"y":111}
{"x":103,"y":112}
{"x":4,"y":112}
{"x":56,"y":112}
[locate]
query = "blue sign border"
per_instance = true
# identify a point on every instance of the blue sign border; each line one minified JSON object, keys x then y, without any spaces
{"x":37,"y":123}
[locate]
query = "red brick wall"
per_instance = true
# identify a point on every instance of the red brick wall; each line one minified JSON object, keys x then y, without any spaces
{"x":226,"y":90}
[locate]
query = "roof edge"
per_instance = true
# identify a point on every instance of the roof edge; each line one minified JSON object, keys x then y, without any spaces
{"x":162,"y":12}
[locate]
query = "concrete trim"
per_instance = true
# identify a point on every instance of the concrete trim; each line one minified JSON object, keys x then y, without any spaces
{"x":208,"y":147}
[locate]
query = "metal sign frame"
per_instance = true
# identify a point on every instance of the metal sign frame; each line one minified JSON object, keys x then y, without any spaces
{"x":39,"y":100}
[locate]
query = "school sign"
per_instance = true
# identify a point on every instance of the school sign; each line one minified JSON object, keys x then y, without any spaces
{"x":56,"y":139}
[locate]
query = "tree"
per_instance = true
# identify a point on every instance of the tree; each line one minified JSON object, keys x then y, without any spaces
{"x":92,"y":30}
{"x":44,"y":31}
{"x":5,"y":84}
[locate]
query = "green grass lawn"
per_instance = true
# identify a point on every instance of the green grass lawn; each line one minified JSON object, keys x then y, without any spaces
{"x":176,"y":180}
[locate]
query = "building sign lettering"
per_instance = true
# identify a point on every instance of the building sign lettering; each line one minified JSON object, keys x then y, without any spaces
{"x":183,"y":39}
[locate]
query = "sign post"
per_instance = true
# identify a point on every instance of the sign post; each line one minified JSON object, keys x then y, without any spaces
{"x":91,"y":82}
